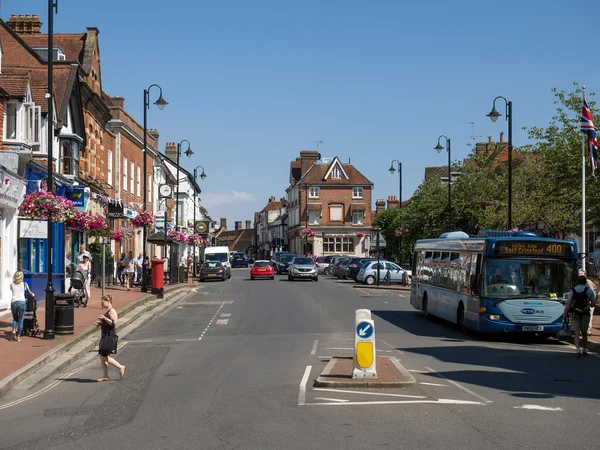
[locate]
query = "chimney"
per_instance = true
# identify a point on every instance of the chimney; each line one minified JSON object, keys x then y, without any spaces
{"x":171,"y":150}
{"x":224,"y":223}
{"x":272,"y":199}
{"x":502,"y":136}
{"x":248,"y":224}
{"x":25,"y":23}
{"x":117,"y":101}
{"x":490,"y":139}
{"x":379,"y":206}
{"x":238,"y":225}
{"x":393,"y":202}
{"x":307,"y":159}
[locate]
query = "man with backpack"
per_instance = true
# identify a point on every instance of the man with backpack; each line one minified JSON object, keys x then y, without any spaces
{"x":581,"y":300}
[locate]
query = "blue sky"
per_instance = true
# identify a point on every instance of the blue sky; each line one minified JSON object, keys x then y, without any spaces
{"x":252,"y":83}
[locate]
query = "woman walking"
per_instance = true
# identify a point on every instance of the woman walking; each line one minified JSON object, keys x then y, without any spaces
{"x":85,"y":267}
{"x":107,"y":323}
{"x":17,"y":304}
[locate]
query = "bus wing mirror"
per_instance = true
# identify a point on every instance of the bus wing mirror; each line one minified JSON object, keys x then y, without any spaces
{"x":473,"y":283}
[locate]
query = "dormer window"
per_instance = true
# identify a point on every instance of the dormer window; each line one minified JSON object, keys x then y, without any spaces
{"x":58,"y":54}
{"x":336,"y":174}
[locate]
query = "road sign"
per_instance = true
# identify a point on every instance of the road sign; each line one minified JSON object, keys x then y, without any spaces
{"x":364,"y":346}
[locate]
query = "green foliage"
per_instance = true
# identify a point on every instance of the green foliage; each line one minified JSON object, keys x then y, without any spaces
{"x":95,"y":248}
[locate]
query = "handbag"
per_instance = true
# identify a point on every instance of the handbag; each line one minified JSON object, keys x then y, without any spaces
{"x":565,"y":333}
{"x":109,"y":342}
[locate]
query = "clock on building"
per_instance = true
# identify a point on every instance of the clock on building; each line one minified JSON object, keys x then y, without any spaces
{"x":165,"y":190}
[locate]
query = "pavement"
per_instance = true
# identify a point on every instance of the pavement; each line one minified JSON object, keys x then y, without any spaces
{"x":23,"y":359}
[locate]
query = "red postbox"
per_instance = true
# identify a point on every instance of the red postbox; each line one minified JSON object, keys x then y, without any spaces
{"x":158,"y":285}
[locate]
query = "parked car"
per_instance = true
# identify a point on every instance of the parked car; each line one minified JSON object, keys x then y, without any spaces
{"x":341,"y":269}
{"x":323,"y":263}
{"x":262,"y":269}
{"x":239,"y":259}
{"x":368,"y":273}
{"x":355,"y":265}
{"x":283,"y":262}
{"x":335,"y":261}
{"x":215,"y":270}
{"x":302,"y":267}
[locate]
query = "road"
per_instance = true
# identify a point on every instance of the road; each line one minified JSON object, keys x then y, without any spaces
{"x":225,"y":368}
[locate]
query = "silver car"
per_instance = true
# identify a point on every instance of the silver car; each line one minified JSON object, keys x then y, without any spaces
{"x":302,"y":267}
{"x":368,"y":273}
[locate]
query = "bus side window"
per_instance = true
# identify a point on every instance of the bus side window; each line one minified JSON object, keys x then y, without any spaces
{"x":474,"y":273}
{"x":466,"y":271}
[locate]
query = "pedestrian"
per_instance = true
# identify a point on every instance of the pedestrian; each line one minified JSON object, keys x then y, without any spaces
{"x":17,"y":304}
{"x":596,"y":291}
{"x":139,"y":262}
{"x":85,"y":267}
{"x":108,"y":325}
{"x":82,"y":251}
{"x":130,"y":267}
{"x":581,"y":299}
{"x":121,"y":269}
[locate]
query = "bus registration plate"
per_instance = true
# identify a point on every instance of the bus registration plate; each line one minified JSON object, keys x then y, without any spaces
{"x":533,"y":328}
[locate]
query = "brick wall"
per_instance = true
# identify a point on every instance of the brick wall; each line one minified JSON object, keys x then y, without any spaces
{"x":338,"y":195}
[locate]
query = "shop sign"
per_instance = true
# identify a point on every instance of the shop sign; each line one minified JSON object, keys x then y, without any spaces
{"x":12,"y":190}
{"x":33,"y":229}
{"x":115,"y":211}
{"x":78,"y":196}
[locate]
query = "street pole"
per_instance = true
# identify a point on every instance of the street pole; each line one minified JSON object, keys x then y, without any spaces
{"x":103,"y":264}
{"x":188,"y":152}
{"x":439,"y":148}
{"x":202,"y":176}
{"x":378,"y":260}
{"x":392,"y":170}
{"x":49,"y":315}
{"x":160,"y":103}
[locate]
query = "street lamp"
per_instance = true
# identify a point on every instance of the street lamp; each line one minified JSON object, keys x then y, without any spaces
{"x":49,"y":315}
{"x":439,"y":148}
{"x":160,"y":103}
{"x":493,"y":115}
{"x":392,"y":170}
{"x":188,"y":153}
{"x":203,"y":176}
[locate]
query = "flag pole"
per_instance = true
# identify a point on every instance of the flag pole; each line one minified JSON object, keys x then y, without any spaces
{"x":583,"y":239}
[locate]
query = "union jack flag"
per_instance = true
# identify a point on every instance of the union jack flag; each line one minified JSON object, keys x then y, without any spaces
{"x":587,"y":127}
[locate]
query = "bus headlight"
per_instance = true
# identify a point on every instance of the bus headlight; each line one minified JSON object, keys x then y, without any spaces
{"x":494,"y":317}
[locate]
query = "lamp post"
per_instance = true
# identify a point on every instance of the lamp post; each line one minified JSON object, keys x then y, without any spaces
{"x":493,"y":115}
{"x":188,"y":153}
{"x":392,"y":170}
{"x":203,"y":176}
{"x":49,"y":315}
{"x":439,"y":148}
{"x":160,"y":103}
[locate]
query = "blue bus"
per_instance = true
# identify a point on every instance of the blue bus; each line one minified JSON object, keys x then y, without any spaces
{"x":496,"y":282}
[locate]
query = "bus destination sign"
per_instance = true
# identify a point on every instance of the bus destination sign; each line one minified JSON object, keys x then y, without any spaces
{"x":532,"y":248}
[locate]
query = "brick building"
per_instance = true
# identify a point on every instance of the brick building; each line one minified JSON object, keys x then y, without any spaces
{"x":333,"y":200}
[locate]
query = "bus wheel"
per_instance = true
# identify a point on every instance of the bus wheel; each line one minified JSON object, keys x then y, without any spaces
{"x":425,"y":306}
{"x":460,"y":317}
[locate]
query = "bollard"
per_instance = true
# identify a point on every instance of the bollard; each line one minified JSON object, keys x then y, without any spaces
{"x":364,"y":346}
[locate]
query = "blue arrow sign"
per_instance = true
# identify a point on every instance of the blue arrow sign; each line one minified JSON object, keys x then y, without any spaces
{"x":364,"y":330}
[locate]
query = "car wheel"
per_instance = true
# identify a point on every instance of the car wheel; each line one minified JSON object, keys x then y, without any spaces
{"x":370,"y":280}
{"x":272,"y":278}
{"x":252,"y":278}
{"x":316,"y":278}
{"x":290,"y":278}
{"x":326,"y":271}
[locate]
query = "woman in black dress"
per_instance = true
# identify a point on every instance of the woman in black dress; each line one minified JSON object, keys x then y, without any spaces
{"x":107,"y":323}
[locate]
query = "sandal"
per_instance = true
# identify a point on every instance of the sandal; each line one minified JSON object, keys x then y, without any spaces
{"x":100,"y":380}
{"x":13,"y":335}
{"x":122,"y":372}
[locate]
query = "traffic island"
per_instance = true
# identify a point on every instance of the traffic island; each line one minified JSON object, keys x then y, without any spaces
{"x":396,"y":287}
{"x":390,"y":374}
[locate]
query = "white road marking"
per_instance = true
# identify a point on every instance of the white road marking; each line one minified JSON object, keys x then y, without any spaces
{"x":538,"y":408}
{"x":183,"y":340}
{"x":434,"y":384}
{"x":467,"y":390}
{"x":222,"y":321}
{"x":226,"y":315}
{"x":314,"y":347}
{"x":392,"y":347}
{"x":324,"y":357}
{"x":338,"y":348}
{"x":347,"y":391}
{"x":211,"y":321}
{"x":141,"y":341}
{"x":332,"y":399}
{"x":441,"y":401}
{"x":302,"y":393}
{"x":418,"y":371}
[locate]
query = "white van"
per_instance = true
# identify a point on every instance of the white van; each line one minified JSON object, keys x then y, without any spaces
{"x":220,"y":254}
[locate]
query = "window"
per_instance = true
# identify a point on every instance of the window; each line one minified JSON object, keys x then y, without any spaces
{"x":11,"y":120}
{"x":335,"y":213}
{"x":124,"y":174}
{"x":31,"y":131}
{"x":149,"y":194}
{"x":357,"y":217}
{"x":139,"y":178}
{"x":109,"y":172}
{"x":357,"y":192}
{"x":336,"y":173}
{"x":314,"y":192}
{"x":132,"y":177}
{"x":338,"y":245}
{"x":70,"y":158}
{"x":314,"y":216}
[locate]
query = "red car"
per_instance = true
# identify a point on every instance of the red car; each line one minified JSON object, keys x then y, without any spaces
{"x":262,"y":269}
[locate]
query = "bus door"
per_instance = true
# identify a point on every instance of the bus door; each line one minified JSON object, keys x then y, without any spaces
{"x":472,"y":288}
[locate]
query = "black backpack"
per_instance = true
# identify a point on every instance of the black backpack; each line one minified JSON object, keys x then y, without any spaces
{"x":581,"y":304}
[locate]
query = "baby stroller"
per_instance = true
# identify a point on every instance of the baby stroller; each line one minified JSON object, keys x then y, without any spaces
{"x":77,"y":286}
{"x":30,"y":322}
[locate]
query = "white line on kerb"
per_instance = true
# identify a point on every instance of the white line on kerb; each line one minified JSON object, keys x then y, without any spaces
{"x":434,"y":384}
{"x":538,"y":408}
{"x":345,"y":391}
{"x":302,"y":393}
{"x":211,"y":321}
{"x":467,"y":390}
{"x":226,"y":315}
{"x":314,"y":347}
{"x":441,"y":401}
{"x":392,"y":347}
{"x":340,"y":400}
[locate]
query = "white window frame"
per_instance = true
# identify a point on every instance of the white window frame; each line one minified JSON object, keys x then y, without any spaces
{"x":131,"y":177}
{"x":357,"y":217}
{"x":358,"y":192}
{"x":150,"y":190}
{"x":336,"y":173}
{"x":125,"y":173}
{"x":314,"y":192}
{"x":15,"y":127}
{"x":314,"y":215}
{"x":338,"y":244}
{"x":139,"y":178}
{"x":336,"y":207}
{"x":109,"y":170}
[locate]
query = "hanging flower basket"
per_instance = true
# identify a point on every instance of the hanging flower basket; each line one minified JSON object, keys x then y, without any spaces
{"x":126,"y":232}
{"x":40,"y":205}
{"x":360,"y":234}
{"x":115,"y":235}
{"x":177,"y":236}
{"x":144,"y":219}
{"x":195,"y":239}
{"x":97,"y":222}
{"x":307,"y":232}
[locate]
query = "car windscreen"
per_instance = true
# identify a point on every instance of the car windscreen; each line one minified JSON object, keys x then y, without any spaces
{"x":261,"y":264}
{"x":303,"y":261}
{"x":239,"y":256}
{"x":286,"y":258}
{"x":212,"y":265}
{"x":221,"y":257}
